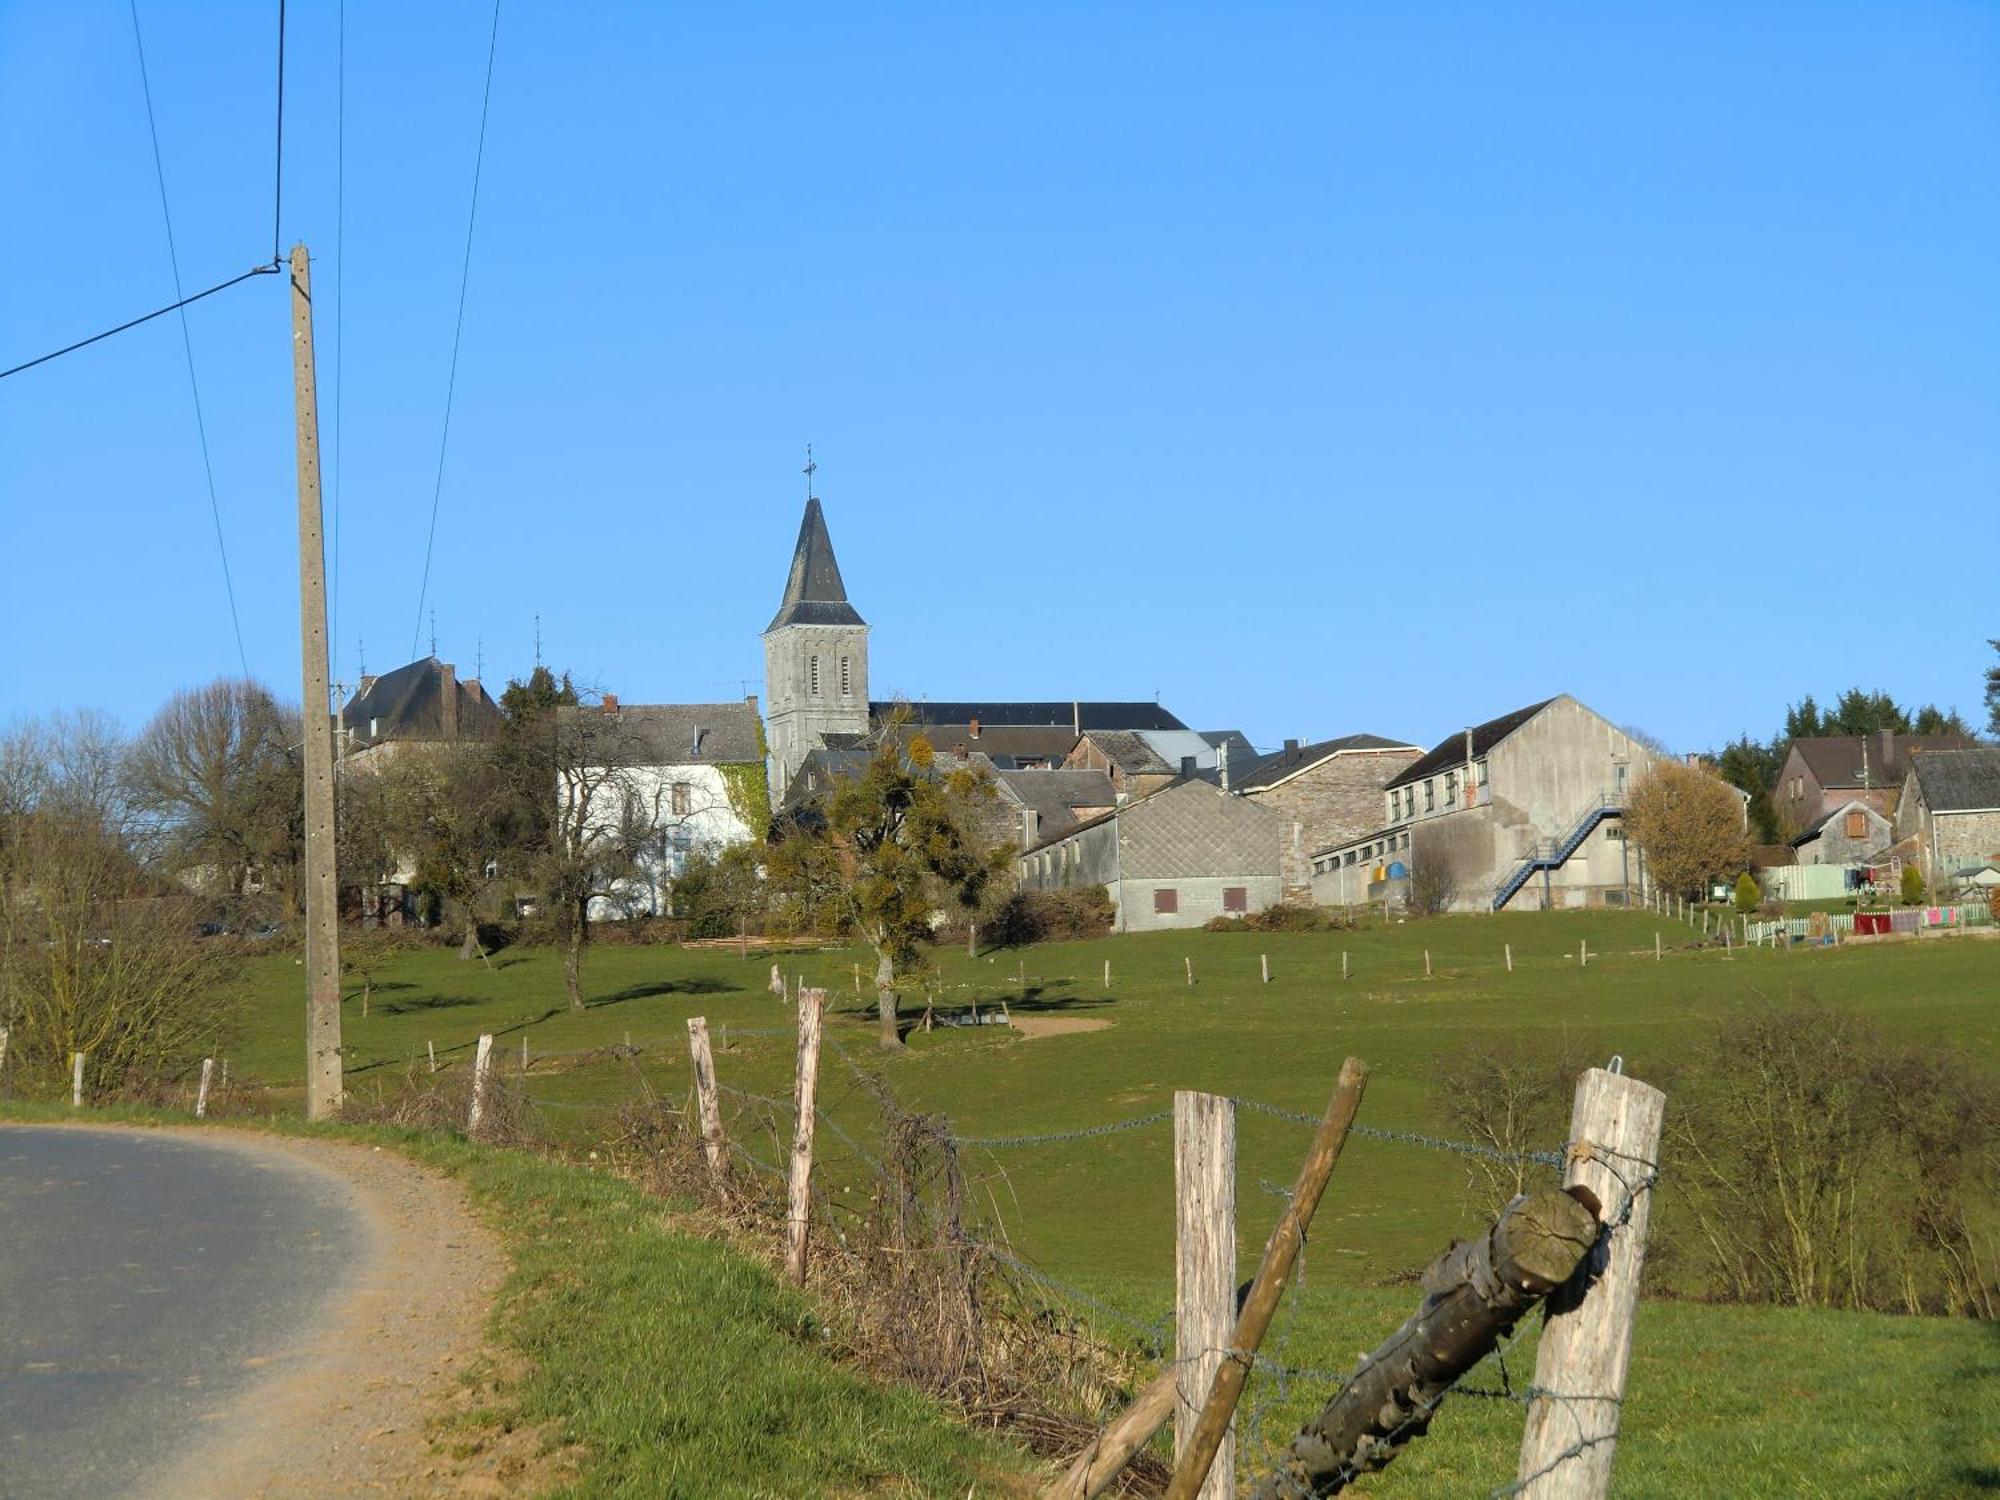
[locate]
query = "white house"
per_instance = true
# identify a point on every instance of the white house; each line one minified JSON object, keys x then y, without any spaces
{"x":669,"y":779}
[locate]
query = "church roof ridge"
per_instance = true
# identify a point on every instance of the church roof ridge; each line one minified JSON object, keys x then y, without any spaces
{"x":814,"y":591}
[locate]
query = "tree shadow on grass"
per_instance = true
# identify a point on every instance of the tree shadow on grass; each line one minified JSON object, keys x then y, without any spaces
{"x":423,"y":1002}
{"x":665,"y":987}
{"x":465,"y":1047}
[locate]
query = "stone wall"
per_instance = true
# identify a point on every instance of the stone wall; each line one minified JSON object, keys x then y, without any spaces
{"x":1329,"y":803}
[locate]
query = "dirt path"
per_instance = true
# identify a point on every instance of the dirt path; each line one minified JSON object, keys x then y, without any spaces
{"x":1032,"y":1027}
{"x":345,"y":1409}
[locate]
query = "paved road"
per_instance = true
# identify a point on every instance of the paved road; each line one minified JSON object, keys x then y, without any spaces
{"x":143,"y":1280}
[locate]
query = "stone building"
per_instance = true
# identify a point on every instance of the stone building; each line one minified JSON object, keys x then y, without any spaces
{"x":815,"y":656}
{"x":422,"y":703}
{"x":1824,"y":771}
{"x":1186,"y":854}
{"x":1950,"y":812}
{"x":1328,"y":793}
{"x":1523,"y":810}
{"x":1851,"y":832}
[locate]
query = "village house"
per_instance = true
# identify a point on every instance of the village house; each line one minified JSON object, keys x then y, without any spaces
{"x":1525,"y":809}
{"x":676,"y":778}
{"x":1187,"y":853}
{"x":1851,"y":832}
{"x":1821,"y":772}
{"x":1329,"y":793}
{"x":424,"y":703}
{"x":1949,"y":814}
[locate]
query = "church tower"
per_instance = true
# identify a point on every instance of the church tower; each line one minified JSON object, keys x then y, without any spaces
{"x":815,"y":657}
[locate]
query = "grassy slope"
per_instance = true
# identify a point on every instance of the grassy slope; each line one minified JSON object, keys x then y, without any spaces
{"x":1733,"y":1400}
{"x":686,"y":1368}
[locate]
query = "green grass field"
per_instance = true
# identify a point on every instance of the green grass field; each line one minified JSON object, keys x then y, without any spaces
{"x":1723,"y":1400}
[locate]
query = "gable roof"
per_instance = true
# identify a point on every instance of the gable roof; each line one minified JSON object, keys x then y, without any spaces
{"x":1282,"y":766}
{"x":1130,"y":752}
{"x":675,"y":734}
{"x":408,"y":704}
{"x":1836,"y":760}
{"x":1067,"y":713}
{"x":1055,"y":796}
{"x":814,"y":592}
{"x":1241,"y":751}
{"x":1003,"y":742}
{"x":1450,"y":753}
{"x":1818,"y":825}
{"x":1959,"y":780}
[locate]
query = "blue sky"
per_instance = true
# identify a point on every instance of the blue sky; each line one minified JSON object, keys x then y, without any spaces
{"x":1317,"y":368}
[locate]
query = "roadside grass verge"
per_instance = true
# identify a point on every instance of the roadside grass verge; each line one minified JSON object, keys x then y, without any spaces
{"x":681,"y":1365}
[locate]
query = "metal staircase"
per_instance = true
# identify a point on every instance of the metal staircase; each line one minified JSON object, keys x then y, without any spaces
{"x":1554,"y":853}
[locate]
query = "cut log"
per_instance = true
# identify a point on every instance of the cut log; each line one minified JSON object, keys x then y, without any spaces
{"x":1474,"y":1293}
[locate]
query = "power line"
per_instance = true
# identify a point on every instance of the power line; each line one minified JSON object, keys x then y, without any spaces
{"x":458,"y":330}
{"x":187,"y":341}
{"x":95,"y":338}
{"x":339,"y":300}
{"x":278,"y":194}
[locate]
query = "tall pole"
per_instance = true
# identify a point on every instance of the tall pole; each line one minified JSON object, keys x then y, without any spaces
{"x":322,"y":895}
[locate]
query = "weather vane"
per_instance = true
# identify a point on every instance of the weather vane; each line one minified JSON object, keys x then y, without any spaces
{"x":809,"y":470}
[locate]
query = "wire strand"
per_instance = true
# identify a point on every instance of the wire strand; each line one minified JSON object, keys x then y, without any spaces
{"x":187,"y":343}
{"x":458,"y":329}
{"x":339,"y":302}
{"x":278,"y":193}
{"x":161,"y":312}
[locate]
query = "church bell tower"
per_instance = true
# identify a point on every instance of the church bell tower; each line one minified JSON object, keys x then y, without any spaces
{"x":815,"y":656}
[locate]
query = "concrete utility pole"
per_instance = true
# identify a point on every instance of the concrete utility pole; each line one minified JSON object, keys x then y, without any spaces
{"x":323,"y":1088}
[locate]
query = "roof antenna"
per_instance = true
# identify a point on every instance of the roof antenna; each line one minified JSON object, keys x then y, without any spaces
{"x":538,"y":638}
{"x":809,"y":470}
{"x":479,"y":660}
{"x":434,"y":632}
{"x":361,"y":655}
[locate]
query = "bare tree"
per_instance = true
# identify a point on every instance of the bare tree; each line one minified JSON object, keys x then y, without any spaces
{"x":216,"y":780}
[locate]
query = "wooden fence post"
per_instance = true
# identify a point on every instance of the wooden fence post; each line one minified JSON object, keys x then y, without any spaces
{"x":777,"y":982}
{"x":76,"y":1080}
{"x":3,"y":1051}
{"x":524,"y":1053}
{"x":805,"y":1093}
{"x":1192,"y":1473}
{"x":1343,"y":963}
{"x":1572,"y":1433}
{"x":1264,"y":966}
{"x":1427,"y":963}
{"x":201,"y":1094}
{"x":1656,"y":947}
{"x":1583,"y":953}
{"x":1107,"y":973}
{"x":1204,"y":1268}
{"x":1510,"y":957}
{"x":1190,"y":970}
{"x":707,"y":1105}
{"x":482,"y":1065}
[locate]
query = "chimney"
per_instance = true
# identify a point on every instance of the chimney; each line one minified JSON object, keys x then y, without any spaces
{"x":1888,"y":749}
{"x":1187,"y":767}
{"x":1031,"y":828}
{"x":694,"y":751}
{"x":367,"y":682}
{"x":1222,"y":763}
{"x":751,"y":700}
{"x":1076,"y":718}
{"x":448,"y":698}
{"x":1468,"y":744}
{"x":1291,"y":751}
{"x":611,"y":703}
{"x":975,"y":728}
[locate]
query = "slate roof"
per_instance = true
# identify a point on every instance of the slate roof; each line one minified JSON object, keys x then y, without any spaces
{"x":1959,"y":780}
{"x":674,"y":734}
{"x":1129,"y":751}
{"x":408,"y":704}
{"x":814,"y":592}
{"x":1450,"y":753}
{"x":1056,"y":795}
{"x":1064,"y":713}
{"x":1272,"y":769}
{"x":1004,"y":742}
{"x":1836,"y":760}
{"x":1241,"y":751}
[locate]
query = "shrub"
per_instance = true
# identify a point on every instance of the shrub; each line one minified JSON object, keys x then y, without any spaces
{"x":1748,"y":896}
{"x":1286,"y":918}
{"x":1433,"y":889}
{"x":1051,"y":917}
{"x":1913,"y":884}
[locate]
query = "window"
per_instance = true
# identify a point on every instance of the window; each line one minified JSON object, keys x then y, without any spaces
{"x":1235,"y":898}
{"x":1166,"y":900}
{"x":683,"y":799}
{"x":1857,"y":824}
{"x":846,"y":680}
{"x":1347,"y":858}
{"x":1482,"y":773}
{"x":1618,"y":775}
{"x":1614,"y":831}
{"x":815,"y":676}
{"x":1430,"y":796}
{"x":1450,"y":788}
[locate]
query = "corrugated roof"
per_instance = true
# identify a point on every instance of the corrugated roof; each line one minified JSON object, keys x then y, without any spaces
{"x":1959,"y":780}
{"x":1269,"y":770}
{"x":1449,"y":753}
{"x":814,"y":592}
{"x":674,"y":734}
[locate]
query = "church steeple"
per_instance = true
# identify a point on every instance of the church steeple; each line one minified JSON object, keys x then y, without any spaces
{"x":814,"y":593}
{"x":815,"y":655}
